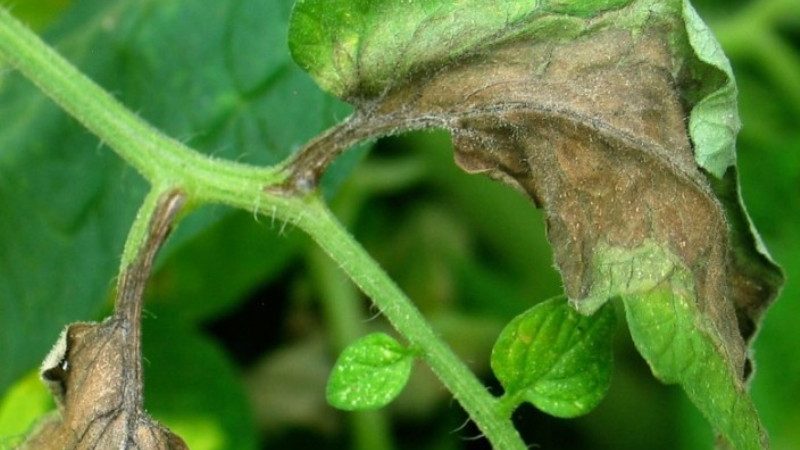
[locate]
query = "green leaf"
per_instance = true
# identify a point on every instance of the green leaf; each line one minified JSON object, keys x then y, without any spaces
{"x":220,"y":266}
{"x":352,"y":48}
{"x":683,"y":348}
{"x":67,"y":201}
{"x":680,"y":337}
{"x":369,"y":373}
{"x":555,"y":358}
{"x":39,"y":13}
{"x":714,"y":121}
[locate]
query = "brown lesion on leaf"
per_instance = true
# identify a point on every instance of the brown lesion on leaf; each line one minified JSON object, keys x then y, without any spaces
{"x":598,"y":138}
{"x":95,"y":372}
{"x":594,"y":131}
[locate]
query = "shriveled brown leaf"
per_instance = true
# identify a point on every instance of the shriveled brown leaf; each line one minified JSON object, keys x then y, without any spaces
{"x":95,"y":372}
{"x":593,"y":129}
{"x":98,"y":395}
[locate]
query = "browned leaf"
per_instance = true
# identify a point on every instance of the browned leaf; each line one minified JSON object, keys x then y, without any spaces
{"x":606,"y":114}
{"x":94,"y":371}
{"x":99,"y":399}
{"x":594,"y":130}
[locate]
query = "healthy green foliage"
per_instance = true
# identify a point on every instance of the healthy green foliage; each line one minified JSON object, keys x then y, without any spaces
{"x":369,"y":373}
{"x":555,"y":358}
{"x":714,"y":121}
{"x":199,"y":397}
{"x":253,"y":253}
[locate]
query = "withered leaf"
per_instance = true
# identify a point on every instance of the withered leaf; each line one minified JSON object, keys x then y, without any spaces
{"x":95,"y":371}
{"x":594,"y":130}
{"x":586,"y":113}
{"x":619,"y":122}
{"x":98,"y":397}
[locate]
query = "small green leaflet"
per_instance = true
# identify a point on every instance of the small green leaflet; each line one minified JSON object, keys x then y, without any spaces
{"x":369,"y":373}
{"x":555,"y":358}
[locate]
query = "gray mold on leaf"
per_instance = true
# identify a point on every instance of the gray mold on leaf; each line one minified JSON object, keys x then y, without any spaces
{"x":95,"y":370}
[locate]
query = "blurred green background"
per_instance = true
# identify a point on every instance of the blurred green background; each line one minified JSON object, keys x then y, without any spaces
{"x":245,"y":317}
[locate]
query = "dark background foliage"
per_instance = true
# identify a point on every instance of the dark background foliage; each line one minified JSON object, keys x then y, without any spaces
{"x":238,"y":339}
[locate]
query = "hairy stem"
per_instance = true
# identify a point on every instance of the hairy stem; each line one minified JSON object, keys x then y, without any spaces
{"x":307,"y":167}
{"x":157,"y":157}
{"x":151,"y":227}
{"x":481,"y":406}
{"x":166,"y":162}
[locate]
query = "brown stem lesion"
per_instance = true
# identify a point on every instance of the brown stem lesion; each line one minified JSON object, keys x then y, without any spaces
{"x":131,"y":286}
{"x":368,"y":122}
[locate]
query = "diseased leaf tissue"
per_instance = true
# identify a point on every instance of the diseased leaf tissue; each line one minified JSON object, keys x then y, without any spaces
{"x":585,"y":109}
{"x":597,"y":110}
{"x":94,"y":370}
{"x":88,"y":374}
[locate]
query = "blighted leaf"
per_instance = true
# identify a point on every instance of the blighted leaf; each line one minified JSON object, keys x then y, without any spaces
{"x":591,"y":127}
{"x":670,"y":332}
{"x":94,"y":370}
{"x":585,"y":113}
{"x":89,"y":374}
{"x":556,"y":358}
{"x":369,"y":373}
{"x":713,"y":126}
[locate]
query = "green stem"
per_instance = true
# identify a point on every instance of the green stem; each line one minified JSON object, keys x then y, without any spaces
{"x":139,"y":229}
{"x":166,"y":162}
{"x":481,"y":406}
{"x":507,"y":404}
{"x":161,"y":160}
